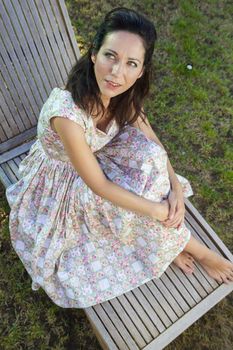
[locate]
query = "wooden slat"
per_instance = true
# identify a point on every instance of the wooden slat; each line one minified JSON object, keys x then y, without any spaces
{"x":135,"y":317}
{"x":171,"y":293}
{"x":5,"y":157}
{"x":39,"y":72}
{"x":211,"y":233}
{"x":119,"y":326}
{"x":14,"y":168}
{"x":10,"y":174}
{"x":190,"y":317}
{"x":140,"y":310}
{"x":52,"y":42}
{"x":5,"y":180}
{"x":13,"y":102}
{"x":18,"y":140}
{"x":28,"y":76}
{"x":59,"y":40}
{"x":158,"y":298}
{"x":128,"y":322}
{"x":17,"y":160}
{"x":23,"y":79}
{"x":48,"y":49}
{"x":64,"y":32}
{"x":187,"y":290}
{"x":69,"y":28}
{"x":99,"y":329}
{"x":2,"y":133}
{"x":192,"y":278}
{"x":152,"y":307}
{"x":5,"y":121}
{"x":39,"y":43}
{"x":112,"y":330}
{"x":25,"y":37}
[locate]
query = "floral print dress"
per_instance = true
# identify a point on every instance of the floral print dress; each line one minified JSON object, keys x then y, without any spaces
{"x":79,"y":247}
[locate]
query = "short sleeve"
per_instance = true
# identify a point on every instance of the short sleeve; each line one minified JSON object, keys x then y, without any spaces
{"x":60,"y":103}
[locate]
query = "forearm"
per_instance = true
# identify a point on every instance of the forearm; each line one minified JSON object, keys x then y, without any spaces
{"x":126,"y":199}
{"x":175,"y":184}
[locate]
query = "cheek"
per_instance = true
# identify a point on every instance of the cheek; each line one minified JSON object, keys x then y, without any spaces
{"x":101,"y":66}
{"x":132,"y":78}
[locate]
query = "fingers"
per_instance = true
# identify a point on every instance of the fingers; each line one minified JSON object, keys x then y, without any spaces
{"x":178,"y":217}
{"x":172,"y":211}
{"x":176,"y":213}
{"x":174,"y":223}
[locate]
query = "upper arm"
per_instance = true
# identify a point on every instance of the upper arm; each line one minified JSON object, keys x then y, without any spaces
{"x":73,"y":138}
{"x":147,"y":129}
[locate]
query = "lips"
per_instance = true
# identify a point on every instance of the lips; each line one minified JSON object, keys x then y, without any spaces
{"x":112,"y":83}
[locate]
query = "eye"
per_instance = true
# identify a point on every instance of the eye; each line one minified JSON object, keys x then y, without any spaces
{"x":108,"y":54}
{"x":133,"y":64}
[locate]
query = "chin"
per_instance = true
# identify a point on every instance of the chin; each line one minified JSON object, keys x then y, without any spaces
{"x":110,"y":94}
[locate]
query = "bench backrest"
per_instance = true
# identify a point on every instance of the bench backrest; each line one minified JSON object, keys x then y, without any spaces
{"x":37,"y":50}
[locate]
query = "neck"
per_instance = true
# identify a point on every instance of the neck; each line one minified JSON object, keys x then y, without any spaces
{"x":105,"y":101}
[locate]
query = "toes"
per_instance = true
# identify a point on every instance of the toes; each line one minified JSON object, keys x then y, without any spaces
{"x":230,"y":276}
{"x":230,"y":273}
{"x":188,"y":255}
{"x":190,"y":265}
{"x":219,"y":279}
{"x":189,"y":268}
{"x":224,"y":277}
{"x":225,"y":280}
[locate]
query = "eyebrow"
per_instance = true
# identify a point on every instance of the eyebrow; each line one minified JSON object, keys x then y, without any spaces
{"x":130,"y":58}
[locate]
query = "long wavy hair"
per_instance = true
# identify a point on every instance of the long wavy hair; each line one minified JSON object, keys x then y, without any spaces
{"x":81,"y":82}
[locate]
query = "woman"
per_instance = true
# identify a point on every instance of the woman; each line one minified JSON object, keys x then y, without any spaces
{"x":98,"y":209}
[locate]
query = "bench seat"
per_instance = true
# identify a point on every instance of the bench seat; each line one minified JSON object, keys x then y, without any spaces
{"x":152,"y":315}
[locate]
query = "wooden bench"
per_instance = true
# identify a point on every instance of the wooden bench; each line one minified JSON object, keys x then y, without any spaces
{"x":152,"y":315}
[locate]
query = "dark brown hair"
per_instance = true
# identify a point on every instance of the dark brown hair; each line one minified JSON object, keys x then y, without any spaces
{"x":127,"y":106}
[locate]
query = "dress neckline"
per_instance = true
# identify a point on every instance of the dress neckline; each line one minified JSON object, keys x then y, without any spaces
{"x":109,"y":126}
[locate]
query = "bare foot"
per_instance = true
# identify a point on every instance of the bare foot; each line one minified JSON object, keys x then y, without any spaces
{"x":185,"y":261}
{"x":217,"y":267}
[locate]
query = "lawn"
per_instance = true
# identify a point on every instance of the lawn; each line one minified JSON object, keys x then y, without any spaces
{"x":191,"y":112}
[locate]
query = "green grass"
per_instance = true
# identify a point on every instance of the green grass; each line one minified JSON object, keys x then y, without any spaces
{"x":191,"y":112}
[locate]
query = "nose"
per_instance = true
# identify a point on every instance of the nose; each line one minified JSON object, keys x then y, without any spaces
{"x":117,"y":68}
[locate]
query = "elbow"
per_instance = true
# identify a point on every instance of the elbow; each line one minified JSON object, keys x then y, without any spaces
{"x":101,"y":188}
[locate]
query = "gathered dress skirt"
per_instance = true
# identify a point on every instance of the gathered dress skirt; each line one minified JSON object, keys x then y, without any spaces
{"x":81,"y":248}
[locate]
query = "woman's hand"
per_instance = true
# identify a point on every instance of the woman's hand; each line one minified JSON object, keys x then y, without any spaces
{"x":177,"y":208}
{"x":160,"y":210}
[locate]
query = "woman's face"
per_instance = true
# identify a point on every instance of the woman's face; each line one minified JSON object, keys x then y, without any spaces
{"x":120,"y":61}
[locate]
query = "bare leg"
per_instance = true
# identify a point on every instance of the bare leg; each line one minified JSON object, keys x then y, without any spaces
{"x":215,"y":265}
